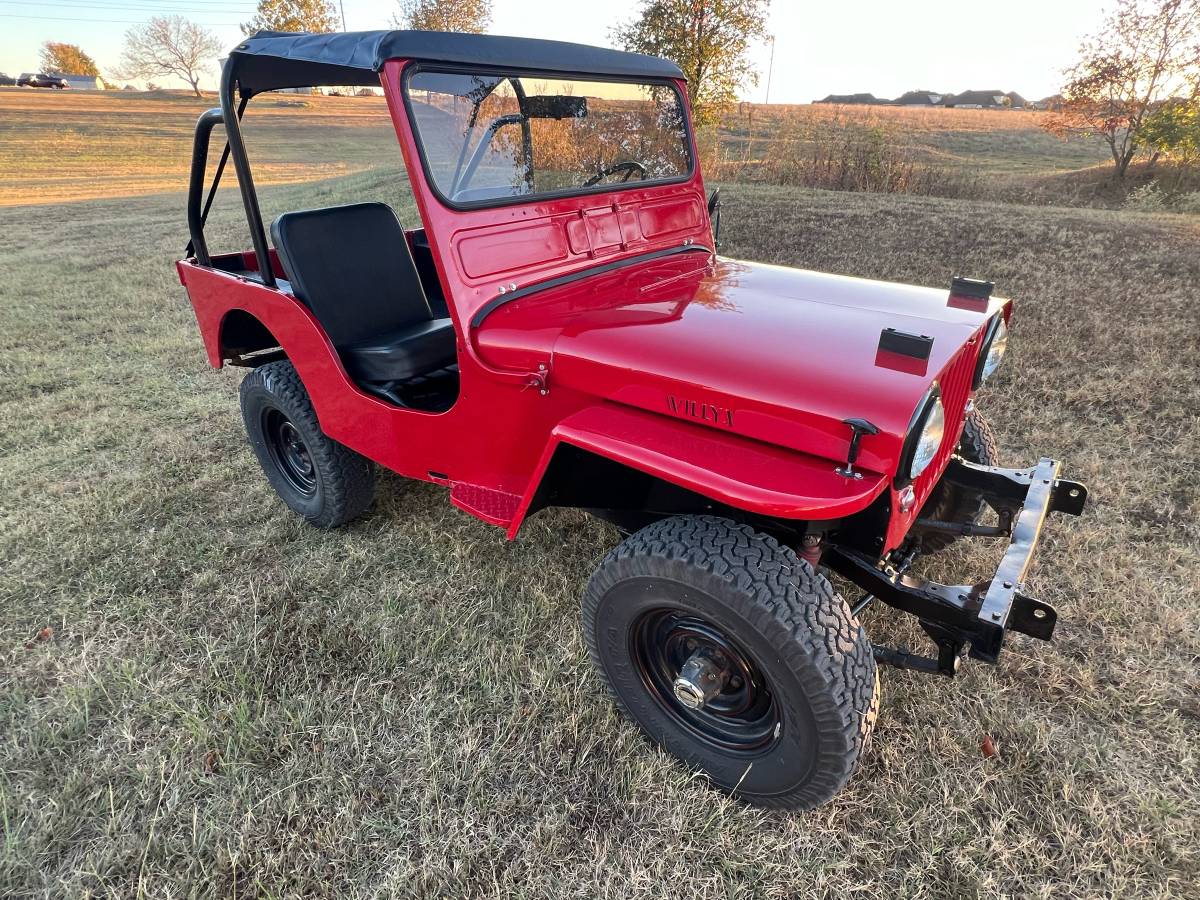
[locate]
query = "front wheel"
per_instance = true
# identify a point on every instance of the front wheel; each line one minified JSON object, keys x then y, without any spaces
{"x":736,"y":657}
{"x":327,"y":483}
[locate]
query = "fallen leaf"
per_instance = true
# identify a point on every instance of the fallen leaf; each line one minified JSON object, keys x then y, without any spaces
{"x":989,"y":747}
{"x":211,"y":759}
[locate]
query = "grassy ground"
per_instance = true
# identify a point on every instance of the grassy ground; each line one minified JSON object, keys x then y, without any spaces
{"x":62,"y":146}
{"x":201,"y":696}
{"x":997,"y":142}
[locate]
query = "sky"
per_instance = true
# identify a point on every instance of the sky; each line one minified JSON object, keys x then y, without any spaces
{"x":882,"y":47}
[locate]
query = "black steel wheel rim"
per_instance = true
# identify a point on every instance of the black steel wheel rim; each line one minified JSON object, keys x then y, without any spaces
{"x":289,"y":452}
{"x":743,"y":718}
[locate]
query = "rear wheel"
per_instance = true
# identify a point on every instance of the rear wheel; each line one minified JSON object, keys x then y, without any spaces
{"x":951,"y":503}
{"x":327,"y":483}
{"x":735,"y":656}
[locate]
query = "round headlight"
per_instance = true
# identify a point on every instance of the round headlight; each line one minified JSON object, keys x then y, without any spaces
{"x":933,"y":427}
{"x":994,"y":352}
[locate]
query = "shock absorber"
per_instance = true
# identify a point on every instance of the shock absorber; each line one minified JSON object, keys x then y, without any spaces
{"x":811,"y":549}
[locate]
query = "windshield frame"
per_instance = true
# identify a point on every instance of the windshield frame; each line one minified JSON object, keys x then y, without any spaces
{"x":568,"y":193}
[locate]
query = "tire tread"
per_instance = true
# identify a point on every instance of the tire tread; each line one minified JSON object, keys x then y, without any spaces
{"x":784,"y":598}
{"x":347,"y":477}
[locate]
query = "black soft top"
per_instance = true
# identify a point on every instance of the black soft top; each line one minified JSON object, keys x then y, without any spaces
{"x":279,"y":59}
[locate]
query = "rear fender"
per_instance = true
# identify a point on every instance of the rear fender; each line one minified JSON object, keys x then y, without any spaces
{"x":338,"y":402}
{"x":745,"y":474}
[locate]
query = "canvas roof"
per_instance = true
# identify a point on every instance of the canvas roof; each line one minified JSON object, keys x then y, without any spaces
{"x":274,"y":59}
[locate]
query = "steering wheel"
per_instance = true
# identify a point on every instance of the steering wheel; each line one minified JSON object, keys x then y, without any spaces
{"x":628,"y":166}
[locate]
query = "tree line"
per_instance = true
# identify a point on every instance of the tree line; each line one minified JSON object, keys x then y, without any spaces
{"x":1135,"y":86}
{"x":708,"y":39}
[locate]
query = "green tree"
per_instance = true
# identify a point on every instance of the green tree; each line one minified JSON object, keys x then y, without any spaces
{"x":1145,"y":51}
{"x":68,"y":59}
{"x":1173,"y":130}
{"x":471,"y":16}
{"x":707,"y":39}
{"x":168,"y":45}
{"x":294,"y":15}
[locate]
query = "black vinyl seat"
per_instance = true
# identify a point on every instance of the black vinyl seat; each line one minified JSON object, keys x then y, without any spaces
{"x":402,"y":354}
{"x":352,"y":266}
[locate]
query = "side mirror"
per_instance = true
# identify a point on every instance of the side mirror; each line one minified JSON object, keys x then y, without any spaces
{"x":714,"y":216}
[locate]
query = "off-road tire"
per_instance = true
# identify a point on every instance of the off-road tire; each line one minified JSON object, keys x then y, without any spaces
{"x":344,"y":480}
{"x":951,"y":503}
{"x":814,"y":654}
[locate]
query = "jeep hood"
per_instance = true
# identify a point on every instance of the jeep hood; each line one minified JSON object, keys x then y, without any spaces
{"x":777,"y":354}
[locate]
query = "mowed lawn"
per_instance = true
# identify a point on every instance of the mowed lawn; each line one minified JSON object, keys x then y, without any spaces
{"x":201,"y":696}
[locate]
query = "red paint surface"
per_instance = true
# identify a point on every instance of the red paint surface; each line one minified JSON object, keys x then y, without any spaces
{"x":729,"y":378}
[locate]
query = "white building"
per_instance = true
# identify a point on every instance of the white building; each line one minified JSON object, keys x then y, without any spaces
{"x":84,"y":82}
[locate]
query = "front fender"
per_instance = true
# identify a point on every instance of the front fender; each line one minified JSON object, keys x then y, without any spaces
{"x":736,"y":471}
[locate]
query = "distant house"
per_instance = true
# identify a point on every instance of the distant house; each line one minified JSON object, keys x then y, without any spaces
{"x":84,"y":82}
{"x":846,"y":99}
{"x":919,"y":98}
{"x":1054,"y":101}
{"x":977,"y":100}
{"x":965,"y":100}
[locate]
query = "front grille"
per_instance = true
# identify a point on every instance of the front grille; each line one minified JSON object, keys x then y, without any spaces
{"x":955,"y":382}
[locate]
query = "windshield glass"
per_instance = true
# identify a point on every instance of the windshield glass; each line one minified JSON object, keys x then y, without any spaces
{"x":489,"y":137}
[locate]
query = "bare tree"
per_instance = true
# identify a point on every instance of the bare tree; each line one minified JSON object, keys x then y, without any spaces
{"x":472,"y":16}
{"x":707,"y":39}
{"x":1146,"y":50}
{"x":168,"y":45}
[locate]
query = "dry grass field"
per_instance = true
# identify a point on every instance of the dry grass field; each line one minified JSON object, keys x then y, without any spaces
{"x":200,"y":696}
{"x":58,"y":147}
{"x":63,"y":146}
{"x":997,"y":141}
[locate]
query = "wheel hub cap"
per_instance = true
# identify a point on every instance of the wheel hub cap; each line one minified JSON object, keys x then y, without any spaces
{"x":289,"y":452}
{"x":702,"y":677}
{"x":704,"y":681}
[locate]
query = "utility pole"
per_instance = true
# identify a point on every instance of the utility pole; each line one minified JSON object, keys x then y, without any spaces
{"x":770,"y":69}
{"x":342,"y":4}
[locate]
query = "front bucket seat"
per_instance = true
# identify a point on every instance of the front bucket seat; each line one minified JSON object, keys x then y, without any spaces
{"x":352,"y":266}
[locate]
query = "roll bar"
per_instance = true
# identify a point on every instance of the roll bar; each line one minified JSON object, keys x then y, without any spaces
{"x":197,"y":245}
{"x":235,"y":147}
{"x":241,"y":165}
{"x":197,"y":216}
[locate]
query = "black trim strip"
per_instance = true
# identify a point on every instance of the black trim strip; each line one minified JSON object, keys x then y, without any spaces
{"x":496,"y":302}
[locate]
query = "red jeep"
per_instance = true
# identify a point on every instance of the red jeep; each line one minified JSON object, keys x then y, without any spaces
{"x":561,"y":332}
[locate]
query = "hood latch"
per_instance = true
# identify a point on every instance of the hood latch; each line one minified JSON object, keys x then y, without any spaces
{"x":858,"y":427}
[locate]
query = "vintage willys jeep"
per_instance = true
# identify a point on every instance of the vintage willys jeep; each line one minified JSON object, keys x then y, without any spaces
{"x":561,"y":332}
